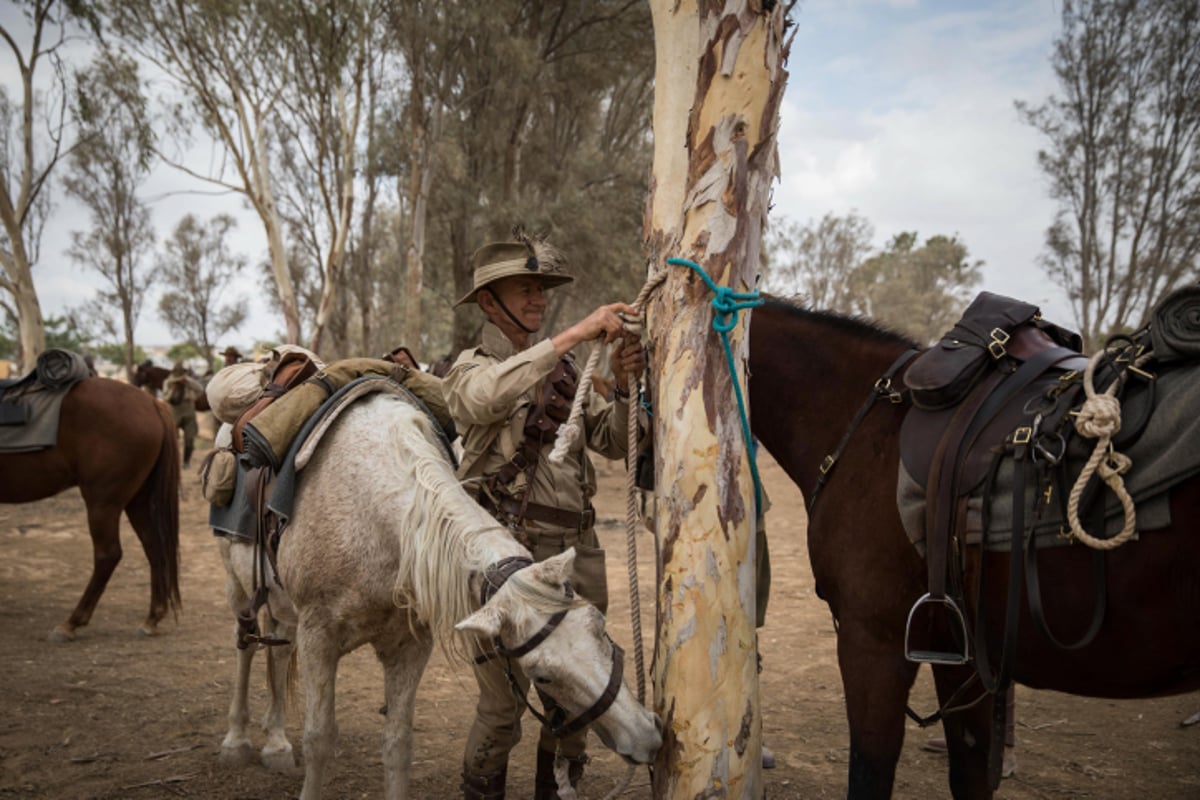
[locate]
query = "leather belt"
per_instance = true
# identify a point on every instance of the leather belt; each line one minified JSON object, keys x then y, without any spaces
{"x":558,"y":517}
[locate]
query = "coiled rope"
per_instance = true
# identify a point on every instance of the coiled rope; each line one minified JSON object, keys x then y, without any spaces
{"x":1100,"y":419}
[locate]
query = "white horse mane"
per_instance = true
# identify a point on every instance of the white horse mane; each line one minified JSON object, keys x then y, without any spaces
{"x":443,"y":540}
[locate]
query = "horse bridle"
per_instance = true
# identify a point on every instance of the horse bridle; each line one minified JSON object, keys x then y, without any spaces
{"x":554,"y":717}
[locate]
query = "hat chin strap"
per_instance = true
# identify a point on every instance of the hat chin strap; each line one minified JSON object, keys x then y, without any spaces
{"x":509,"y":314}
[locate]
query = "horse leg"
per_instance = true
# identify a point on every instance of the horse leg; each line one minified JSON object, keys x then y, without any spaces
{"x":403,"y":664}
{"x":968,"y":734}
{"x":317,"y":644}
{"x":877,"y":681}
{"x":236,"y":748}
{"x":277,"y":753}
{"x":104,"y":526}
{"x":140,"y":517}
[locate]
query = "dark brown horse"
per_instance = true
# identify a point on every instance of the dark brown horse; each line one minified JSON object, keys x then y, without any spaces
{"x":151,"y":378}
{"x":810,"y":374}
{"x":118,"y":445}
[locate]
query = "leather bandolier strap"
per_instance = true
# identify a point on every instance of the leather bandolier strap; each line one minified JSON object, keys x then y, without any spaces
{"x":553,"y":407}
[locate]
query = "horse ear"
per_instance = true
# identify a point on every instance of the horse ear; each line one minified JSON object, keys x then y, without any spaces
{"x":485,"y":622}
{"x":558,"y":569}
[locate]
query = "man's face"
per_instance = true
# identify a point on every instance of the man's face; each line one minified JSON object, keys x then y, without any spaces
{"x":524,"y":296}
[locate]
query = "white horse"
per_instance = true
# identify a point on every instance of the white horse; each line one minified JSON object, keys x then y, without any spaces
{"x":386,"y":547}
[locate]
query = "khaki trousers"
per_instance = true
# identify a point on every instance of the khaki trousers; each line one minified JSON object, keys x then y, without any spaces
{"x":497,"y":726}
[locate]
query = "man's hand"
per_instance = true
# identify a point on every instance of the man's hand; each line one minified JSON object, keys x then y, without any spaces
{"x":604,"y":321}
{"x":627,"y":360}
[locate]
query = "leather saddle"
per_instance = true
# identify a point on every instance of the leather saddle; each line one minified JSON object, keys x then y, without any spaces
{"x":974,"y":391}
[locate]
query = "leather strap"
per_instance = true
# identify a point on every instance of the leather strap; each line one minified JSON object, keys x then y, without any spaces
{"x":558,"y":517}
{"x":975,"y":413}
{"x":497,"y":574}
{"x":557,"y":722}
{"x":939,"y":501}
{"x":533,"y":641}
{"x":1033,"y":587}
{"x":882,"y":388}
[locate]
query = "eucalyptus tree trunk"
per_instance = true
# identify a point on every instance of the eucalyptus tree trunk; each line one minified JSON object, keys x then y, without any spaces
{"x":718,"y":84}
{"x":426,"y":131}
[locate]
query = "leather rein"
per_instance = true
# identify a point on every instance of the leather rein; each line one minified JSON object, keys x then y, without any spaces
{"x":554,"y":718}
{"x":882,"y":388}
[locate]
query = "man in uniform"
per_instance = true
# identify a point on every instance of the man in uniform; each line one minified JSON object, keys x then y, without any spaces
{"x":507,"y":397}
{"x":181,"y":391}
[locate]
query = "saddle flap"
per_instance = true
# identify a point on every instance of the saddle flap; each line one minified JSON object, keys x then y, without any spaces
{"x":13,"y":413}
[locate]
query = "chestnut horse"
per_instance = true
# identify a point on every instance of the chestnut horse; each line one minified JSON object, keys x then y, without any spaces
{"x":870,"y":574}
{"x":118,"y":445}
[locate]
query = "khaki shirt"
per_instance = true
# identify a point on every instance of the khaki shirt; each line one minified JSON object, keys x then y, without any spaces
{"x":490,"y":390}
{"x":192,"y":389}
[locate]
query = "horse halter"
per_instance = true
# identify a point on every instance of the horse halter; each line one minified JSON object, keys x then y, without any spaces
{"x":554,"y":718}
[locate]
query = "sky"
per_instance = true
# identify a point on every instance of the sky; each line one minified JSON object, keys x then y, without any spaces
{"x":900,"y":110}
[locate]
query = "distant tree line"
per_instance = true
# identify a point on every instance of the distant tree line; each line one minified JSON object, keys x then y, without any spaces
{"x":832,"y":265}
{"x":378,"y":143}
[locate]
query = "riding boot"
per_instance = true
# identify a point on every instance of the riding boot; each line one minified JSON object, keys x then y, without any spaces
{"x":187,"y":457}
{"x":545,"y":786}
{"x":484,"y":785}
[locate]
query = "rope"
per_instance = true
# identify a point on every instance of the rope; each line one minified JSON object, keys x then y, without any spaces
{"x":568,"y":434}
{"x":726,"y":303}
{"x":1100,"y":419}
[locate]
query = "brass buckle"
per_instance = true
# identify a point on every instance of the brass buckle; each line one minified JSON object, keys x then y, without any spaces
{"x":999,"y":338}
{"x":883,"y":388}
{"x":827,"y":464}
{"x":1142,"y":373}
{"x":1023,"y":435}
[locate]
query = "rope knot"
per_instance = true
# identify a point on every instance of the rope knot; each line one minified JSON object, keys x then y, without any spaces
{"x":1114,"y":464}
{"x":1099,"y":417}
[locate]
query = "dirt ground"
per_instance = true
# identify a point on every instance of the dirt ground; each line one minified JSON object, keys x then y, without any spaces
{"x":112,"y":715}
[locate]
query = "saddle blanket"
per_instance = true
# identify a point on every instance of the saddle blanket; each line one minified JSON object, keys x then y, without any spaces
{"x":1166,"y":453}
{"x":30,"y":406}
{"x":238,"y":519}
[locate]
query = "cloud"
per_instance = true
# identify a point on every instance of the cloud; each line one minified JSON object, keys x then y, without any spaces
{"x":906,"y":115}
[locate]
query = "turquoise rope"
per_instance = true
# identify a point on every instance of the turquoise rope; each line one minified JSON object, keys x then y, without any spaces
{"x":726,"y":304}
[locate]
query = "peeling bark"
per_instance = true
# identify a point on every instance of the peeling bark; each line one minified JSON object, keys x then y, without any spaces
{"x":719,"y":81}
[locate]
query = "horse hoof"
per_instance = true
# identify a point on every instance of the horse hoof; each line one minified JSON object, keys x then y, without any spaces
{"x":144,"y":633}
{"x":240,"y":756}
{"x":281,"y":761}
{"x":60,"y":634}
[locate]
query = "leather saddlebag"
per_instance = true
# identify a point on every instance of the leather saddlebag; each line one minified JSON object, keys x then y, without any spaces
{"x":943,"y":375}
